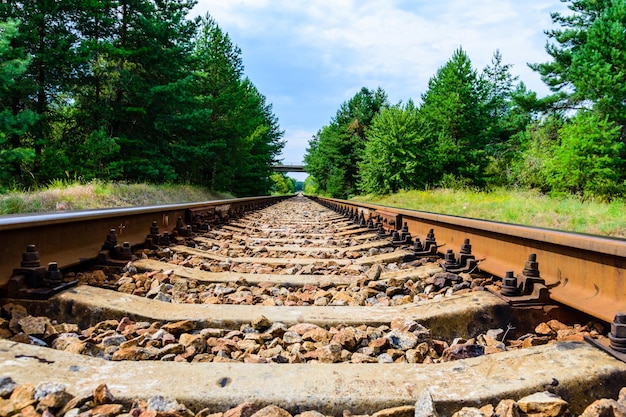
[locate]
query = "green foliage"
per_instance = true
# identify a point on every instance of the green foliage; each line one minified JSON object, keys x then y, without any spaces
{"x":130,"y":90}
{"x":310,"y":186}
{"x":589,"y":60}
{"x":396,"y":156}
{"x":283,"y":184}
{"x":333,"y":154}
{"x":454,"y":117}
{"x":484,"y":130}
{"x":537,"y":146}
{"x":590,"y":158}
{"x":16,"y":162}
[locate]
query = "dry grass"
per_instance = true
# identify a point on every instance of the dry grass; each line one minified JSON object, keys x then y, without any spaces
{"x":61,"y":196}
{"x":520,"y":207}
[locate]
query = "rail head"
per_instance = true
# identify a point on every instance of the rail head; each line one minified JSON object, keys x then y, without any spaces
{"x":18,"y":221}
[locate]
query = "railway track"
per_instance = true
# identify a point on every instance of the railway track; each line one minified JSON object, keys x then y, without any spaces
{"x":259,"y":302}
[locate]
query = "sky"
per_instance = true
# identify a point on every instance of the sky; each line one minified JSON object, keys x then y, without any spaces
{"x":307,"y":57}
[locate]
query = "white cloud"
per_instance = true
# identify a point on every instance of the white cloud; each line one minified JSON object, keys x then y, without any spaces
{"x":297,"y":142}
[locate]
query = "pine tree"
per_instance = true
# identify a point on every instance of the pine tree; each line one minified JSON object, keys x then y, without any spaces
{"x":453,"y":114}
{"x":14,"y":119}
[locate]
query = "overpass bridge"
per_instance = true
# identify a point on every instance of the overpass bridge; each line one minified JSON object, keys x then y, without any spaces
{"x":289,"y":167}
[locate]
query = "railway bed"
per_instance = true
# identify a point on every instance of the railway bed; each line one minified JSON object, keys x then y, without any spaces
{"x":301,"y":307}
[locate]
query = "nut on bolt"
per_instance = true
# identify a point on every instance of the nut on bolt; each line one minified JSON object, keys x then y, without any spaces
{"x":509,"y":285}
{"x":617,"y":337}
{"x":30,"y":258}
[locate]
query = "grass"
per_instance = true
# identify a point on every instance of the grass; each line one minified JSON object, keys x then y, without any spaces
{"x":68,"y":195}
{"x":520,"y":207}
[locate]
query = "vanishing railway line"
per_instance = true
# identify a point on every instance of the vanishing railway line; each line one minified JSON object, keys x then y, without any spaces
{"x":348,"y":307}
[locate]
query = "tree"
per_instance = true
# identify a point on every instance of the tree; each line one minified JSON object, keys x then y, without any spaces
{"x":333,"y":154}
{"x":240,"y":137}
{"x":537,"y":146}
{"x":14,"y":120}
{"x":396,"y":155}
{"x":587,"y":75}
{"x":283,"y":184}
{"x":588,"y":160}
{"x":589,"y":60}
{"x":453,"y":115}
{"x":509,"y":108}
{"x":129,"y":89}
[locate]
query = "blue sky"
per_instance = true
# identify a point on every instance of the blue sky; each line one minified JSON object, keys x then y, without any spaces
{"x":309,"y":56}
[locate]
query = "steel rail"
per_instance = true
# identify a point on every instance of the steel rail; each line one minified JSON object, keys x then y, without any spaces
{"x":586,"y":272}
{"x":69,"y":238}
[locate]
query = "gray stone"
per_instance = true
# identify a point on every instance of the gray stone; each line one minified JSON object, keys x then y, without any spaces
{"x":7,"y":385}
{"x":401,"y":340}
{"x":160,"y":403}
{"x":291,"y":338}
{"x":113,"y":340}
{"x":374,"y":272}
{"x":45,"y":388}
{"x":495,"y":334}
{"x":277,"y":330}
{"x":385,"y":358}
{"x":166,"y":298}
{"x":425,"y":406}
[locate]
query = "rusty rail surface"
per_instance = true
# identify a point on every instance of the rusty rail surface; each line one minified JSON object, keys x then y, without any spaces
{"x":585,"y":272}
{"x":69,"y":238}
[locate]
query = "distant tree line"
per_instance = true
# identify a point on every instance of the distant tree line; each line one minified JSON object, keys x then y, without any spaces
{"x":484,"y":128}
{"x":128,"y":90}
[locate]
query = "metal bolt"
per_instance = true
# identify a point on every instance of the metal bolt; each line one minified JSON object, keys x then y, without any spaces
{"x":154,"y":228}
{"x":509,"y":285}
{"x":531,"y":268}
{"x":126,"y":251}
{"x":617,"y":337}
{"x":618,"y":326}
{"x":450,"y":259}
{"x":466,"y":248}
{"x":165,"y":240}
{"x":53,"y":275}
{"x":30,"y":258}
{"x":110,"y":242}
